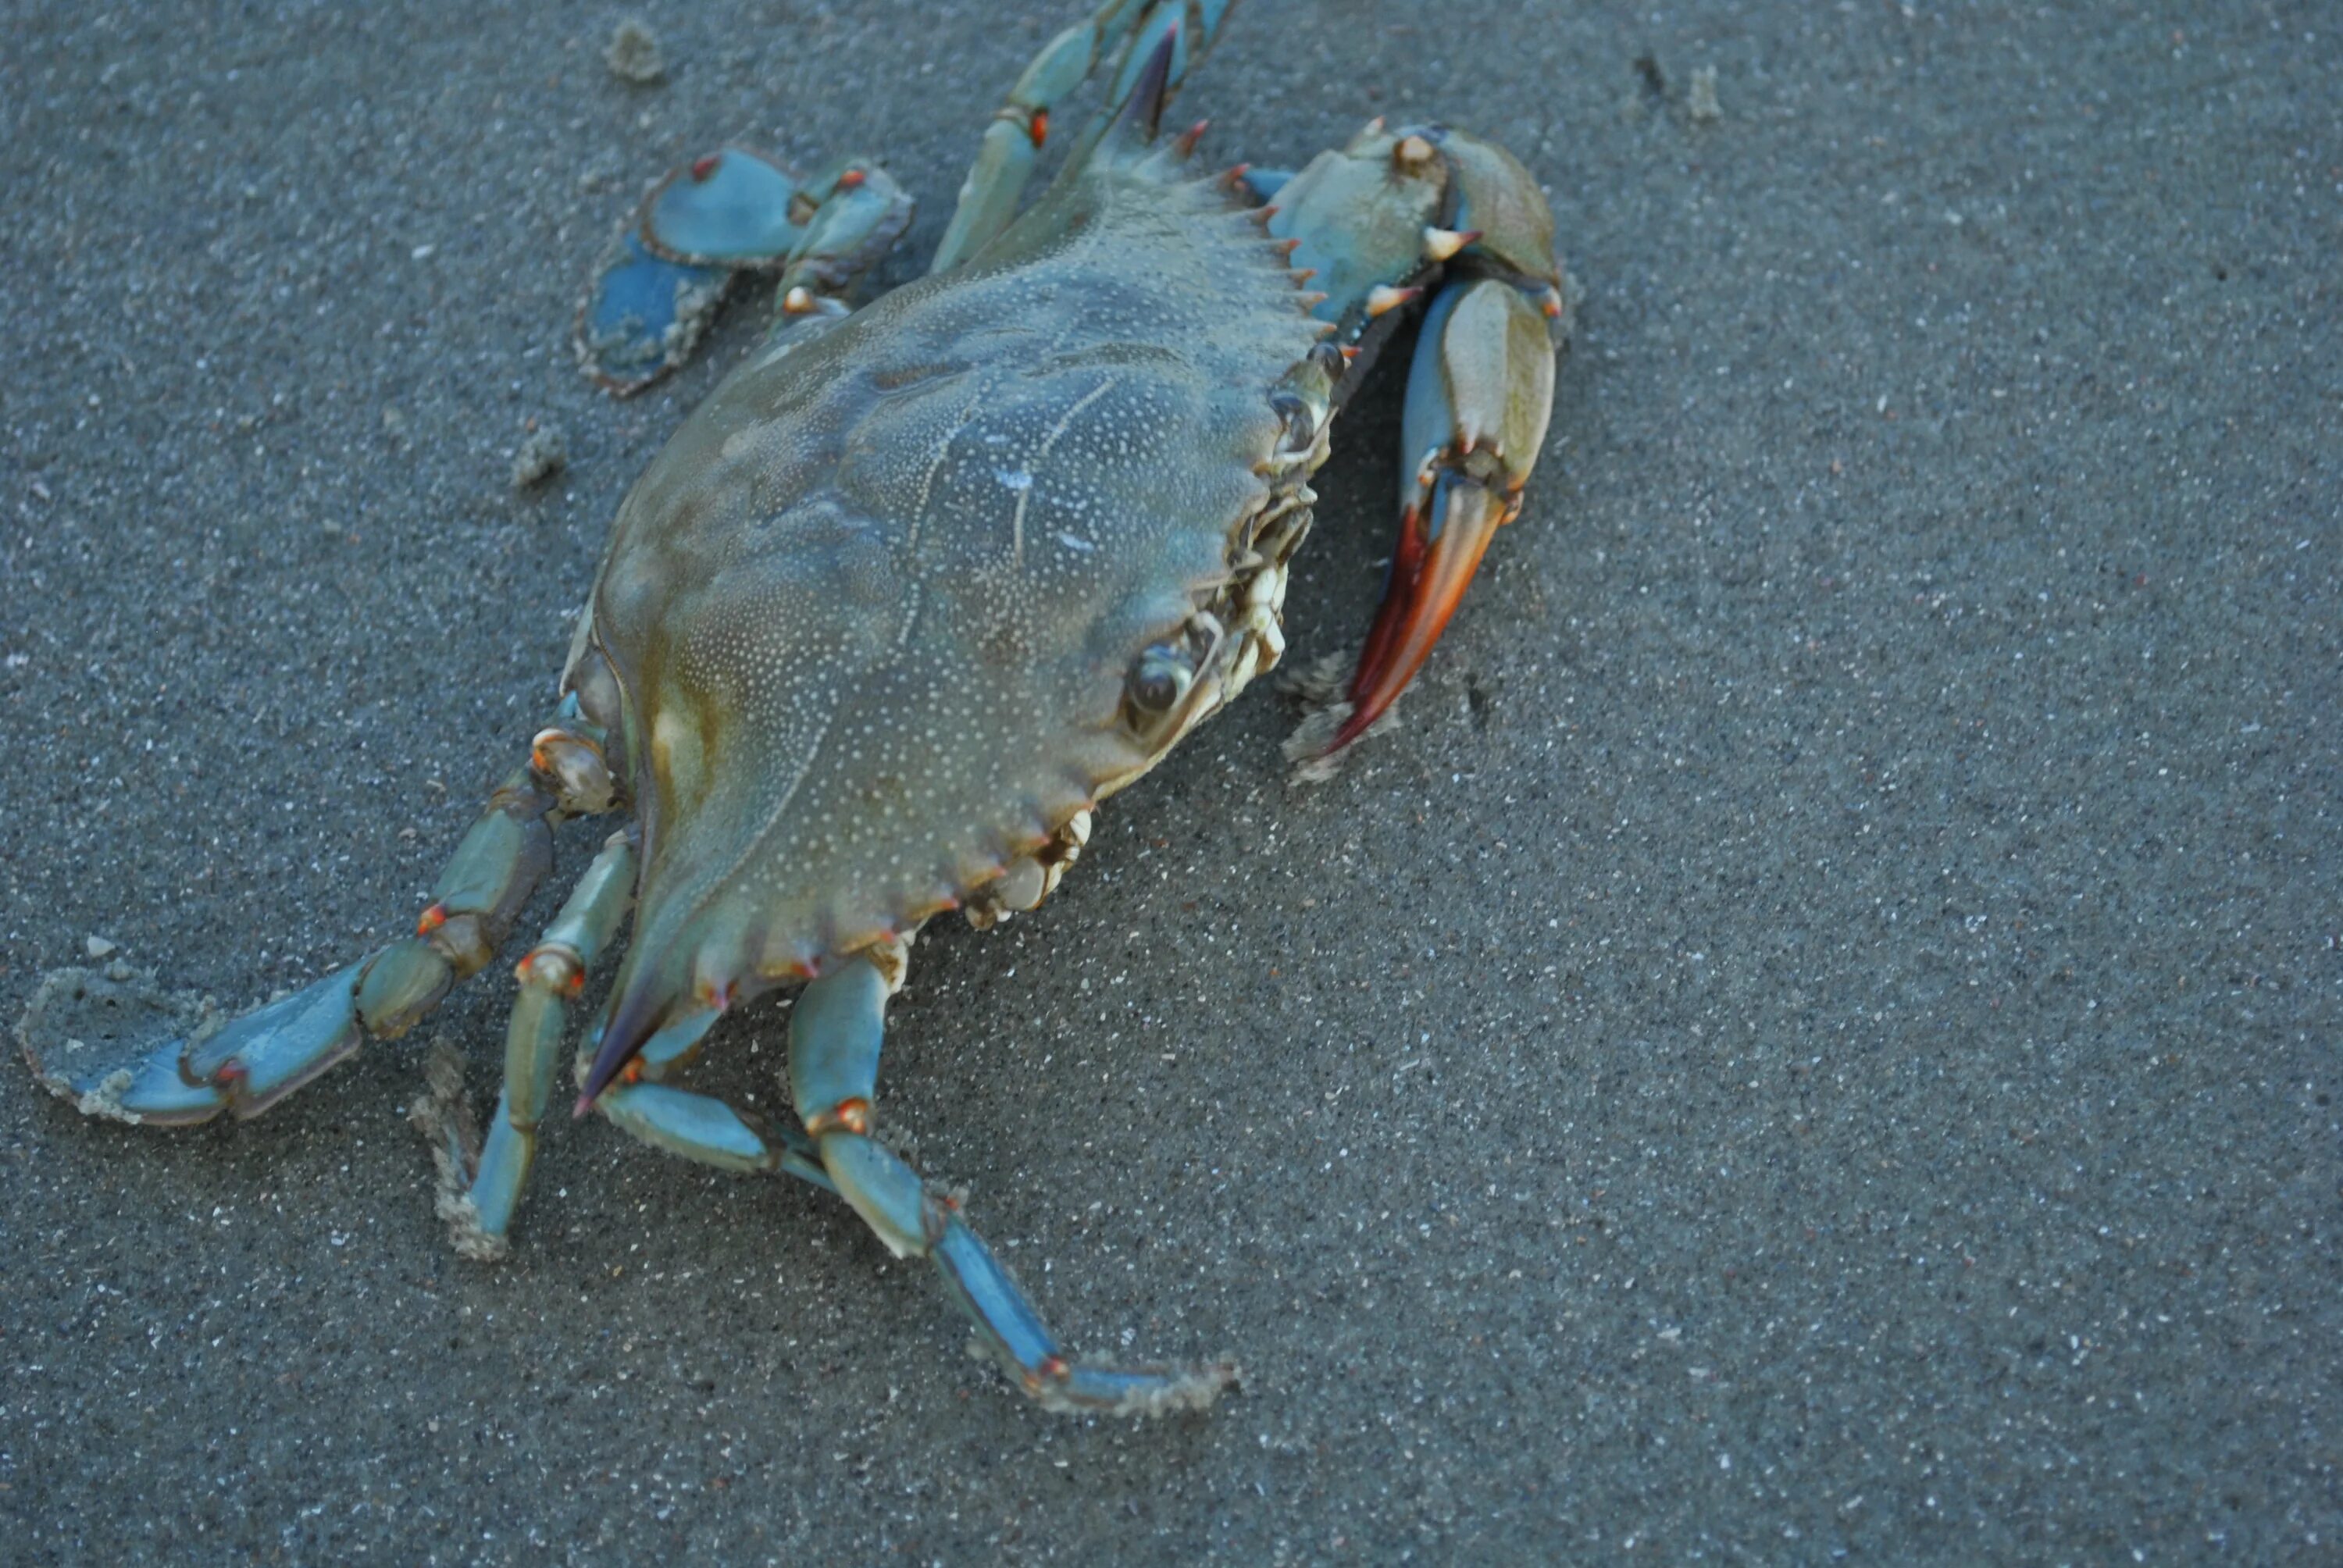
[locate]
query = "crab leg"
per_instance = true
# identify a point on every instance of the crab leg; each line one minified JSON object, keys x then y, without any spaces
{"x":702,"y":1128}
{"x":835,"y":1035}
{"x":256,"y":1060}
{"x":697,"y":1127}
{"x":734,"y":210}
{"x":481,"y":1211}
{"x":1013,"y":142}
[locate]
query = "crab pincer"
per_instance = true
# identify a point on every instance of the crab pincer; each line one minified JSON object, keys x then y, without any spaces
{"x":1478,"y":397}
{"x":1426,"y":216}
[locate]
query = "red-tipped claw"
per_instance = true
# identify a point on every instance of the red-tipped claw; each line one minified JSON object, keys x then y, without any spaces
{"x":1478,"y":397}
{"x":1441,"y":543}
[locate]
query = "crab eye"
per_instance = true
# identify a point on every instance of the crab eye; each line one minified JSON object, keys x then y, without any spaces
{"x":1161,"y":678}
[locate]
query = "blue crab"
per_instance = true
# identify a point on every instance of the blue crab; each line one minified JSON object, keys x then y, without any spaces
{"x":919,"y":586}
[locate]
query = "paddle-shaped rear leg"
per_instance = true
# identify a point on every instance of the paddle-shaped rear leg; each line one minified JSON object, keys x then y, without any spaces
{"x":735,"y":211}
{"x":835,"y":1034}
{"x":257,"y":1059}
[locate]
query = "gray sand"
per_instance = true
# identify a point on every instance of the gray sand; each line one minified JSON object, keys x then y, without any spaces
{"x":1815,"y":1038}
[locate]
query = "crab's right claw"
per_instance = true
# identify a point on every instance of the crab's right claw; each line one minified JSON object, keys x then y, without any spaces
{"x":148,"y":1091}
{"x":1478,"y":397}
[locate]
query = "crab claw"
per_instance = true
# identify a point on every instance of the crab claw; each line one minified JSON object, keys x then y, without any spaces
{"x":1443,"y":536}
{"x":1478,"y":397}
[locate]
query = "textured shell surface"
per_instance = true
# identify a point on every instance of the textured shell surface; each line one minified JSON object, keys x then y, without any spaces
{"x":872,"y":609}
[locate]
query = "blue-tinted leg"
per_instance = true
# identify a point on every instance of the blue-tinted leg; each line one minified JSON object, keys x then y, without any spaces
{"x":248,"y":1065}
{"x":1122,"y":34}
{"x":703,"y":1128}
{"x":645,"y":314}
{"x":835,"y":1036}
{"x":480,"y":1210}
{"x":697,"y":1127}
{"x":257,"y":1059}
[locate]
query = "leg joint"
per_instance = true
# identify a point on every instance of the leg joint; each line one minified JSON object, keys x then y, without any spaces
{"x":555,"y":966}
{"x":853,"y":1115}
{"x":573,"y":765}
{"x":463,"y":940}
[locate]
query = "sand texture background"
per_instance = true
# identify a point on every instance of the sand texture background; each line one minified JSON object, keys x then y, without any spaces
{"x":1817,"y":1036}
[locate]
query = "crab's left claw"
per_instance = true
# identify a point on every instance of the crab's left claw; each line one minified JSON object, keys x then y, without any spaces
{"x":1478,"y":397}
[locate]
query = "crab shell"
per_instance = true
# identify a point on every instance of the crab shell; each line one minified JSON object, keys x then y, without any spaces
{"x":868,"y":626}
